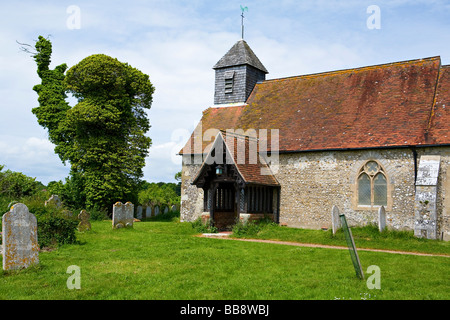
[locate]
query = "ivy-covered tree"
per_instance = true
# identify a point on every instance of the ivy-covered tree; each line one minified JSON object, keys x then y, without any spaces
{"x":103,"y":135}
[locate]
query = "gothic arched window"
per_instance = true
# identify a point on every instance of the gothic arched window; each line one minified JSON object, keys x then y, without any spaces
{"x":372,"y":185}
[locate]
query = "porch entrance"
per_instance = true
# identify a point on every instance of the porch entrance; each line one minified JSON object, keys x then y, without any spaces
{"x":225,"y":206}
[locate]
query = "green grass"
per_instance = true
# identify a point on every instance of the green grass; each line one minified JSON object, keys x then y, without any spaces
{"x":165,"y":260}
{"x":365,"y":237}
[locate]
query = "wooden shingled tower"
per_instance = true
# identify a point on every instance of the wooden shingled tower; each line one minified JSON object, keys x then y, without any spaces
{"x":237,"y":72}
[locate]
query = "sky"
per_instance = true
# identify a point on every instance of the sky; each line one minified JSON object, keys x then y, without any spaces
{"x":178,"y":42}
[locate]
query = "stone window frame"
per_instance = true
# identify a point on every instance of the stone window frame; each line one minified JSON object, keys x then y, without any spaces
{"x":388,"y":174}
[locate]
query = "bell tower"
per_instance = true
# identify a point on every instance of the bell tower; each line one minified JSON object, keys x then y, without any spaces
{"x":236,"y":74}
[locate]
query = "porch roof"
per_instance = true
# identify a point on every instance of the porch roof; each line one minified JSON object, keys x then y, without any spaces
{"x":242,"y":152}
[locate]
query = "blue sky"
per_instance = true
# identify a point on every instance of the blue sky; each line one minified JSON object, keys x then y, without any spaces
{"x":177,"y":42}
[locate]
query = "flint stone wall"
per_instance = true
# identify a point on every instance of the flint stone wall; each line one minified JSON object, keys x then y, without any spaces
{"x":313,"y":182}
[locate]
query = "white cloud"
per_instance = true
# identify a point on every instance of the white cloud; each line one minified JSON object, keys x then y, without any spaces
{"x":32,"y":156}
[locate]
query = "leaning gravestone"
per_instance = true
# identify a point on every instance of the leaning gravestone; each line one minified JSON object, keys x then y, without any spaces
{"x":122,"y":215}
{"x":425,"y":215}
{"x":335,"y":222}
{"x":351,"y":247}
{"x":381,"y":218}
{"x":84,"y":223}
{"x":20,"y":248}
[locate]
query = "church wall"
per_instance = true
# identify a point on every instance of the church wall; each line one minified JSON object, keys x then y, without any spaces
{"x":191,"y":196}
{"x":312,"y":182}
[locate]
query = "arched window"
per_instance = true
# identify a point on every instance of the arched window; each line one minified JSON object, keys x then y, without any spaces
{"x":372,"y":185}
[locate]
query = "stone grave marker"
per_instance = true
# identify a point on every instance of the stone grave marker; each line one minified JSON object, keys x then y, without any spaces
{"x":166,"y":209}
{"x":84,"y":224}
{"x":381,"y":218}
{"x":53,"y":201}
{"x":148,"y":212}
{"x":67,"y":213}
{"x":351,"y":247}
{"x":20,"y":248}
{"x":173,"y":208}
{"x":122,"y":215}
{"x":139,"y":212}
{"x":335,"y":221}
{"x":156,"y":210}
{"x":425,"y":213}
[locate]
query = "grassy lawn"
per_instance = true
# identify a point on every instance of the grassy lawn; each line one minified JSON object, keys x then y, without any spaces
{"x":164,"y":260}
{"x":365,"y":237}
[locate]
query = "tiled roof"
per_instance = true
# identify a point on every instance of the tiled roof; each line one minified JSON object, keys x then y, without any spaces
{"x":252,"y":167}
{"x":438,"y":131}
{"x":391,"y":105}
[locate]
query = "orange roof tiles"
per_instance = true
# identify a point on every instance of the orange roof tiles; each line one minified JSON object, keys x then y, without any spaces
{"x":391,"y":105}
{"x":438,"y":131}
{"x":252,"y":168}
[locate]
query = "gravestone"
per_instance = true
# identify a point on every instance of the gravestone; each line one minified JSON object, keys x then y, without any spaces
{"x":53,"y":201}
{"x":351,"y":247}
{"x":20,"y":248}
{"x":335,"y":222}
{"x":67,"y":213}
{"x":381,"y":218}
{"x":425,"y":214}
{"x":173,"y":208}
{"x":122,"y":215}
{"x":166,"y":209}
{"x":156,"y":210}
{"x":148,"y":212}
{"x":84,"y":223}
{"x":139,"y":212}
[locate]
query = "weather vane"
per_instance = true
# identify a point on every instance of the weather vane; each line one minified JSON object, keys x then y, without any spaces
{"x":242,"y":19}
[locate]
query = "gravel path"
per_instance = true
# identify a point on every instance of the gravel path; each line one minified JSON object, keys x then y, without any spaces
{"x":225,"y":236}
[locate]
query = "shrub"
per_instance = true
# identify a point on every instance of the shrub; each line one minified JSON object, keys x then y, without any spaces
{"x":54,"y":226}
{"x":250,"y":228}
{"x":97,"y":214}
{"x":56,"y":230}
{"x":201,"y":227}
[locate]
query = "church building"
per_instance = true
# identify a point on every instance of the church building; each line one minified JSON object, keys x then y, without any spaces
{"x":290,"y":149}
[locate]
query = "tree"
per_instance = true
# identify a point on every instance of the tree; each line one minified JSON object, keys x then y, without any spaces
{"x":159,"y":194}
{"x":103,"y":135}
{"x":17,"y":185}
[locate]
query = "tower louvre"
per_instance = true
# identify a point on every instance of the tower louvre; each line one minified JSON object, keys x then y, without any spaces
{"x":237,"y":72}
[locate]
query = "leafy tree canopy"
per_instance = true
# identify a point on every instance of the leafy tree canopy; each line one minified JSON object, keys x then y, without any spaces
{"x":16,"y":184}
{"x":159,"y":194}
{"x":103,"y":135}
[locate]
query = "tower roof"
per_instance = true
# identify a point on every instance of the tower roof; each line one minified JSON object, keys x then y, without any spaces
{"x":240,"y":54}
